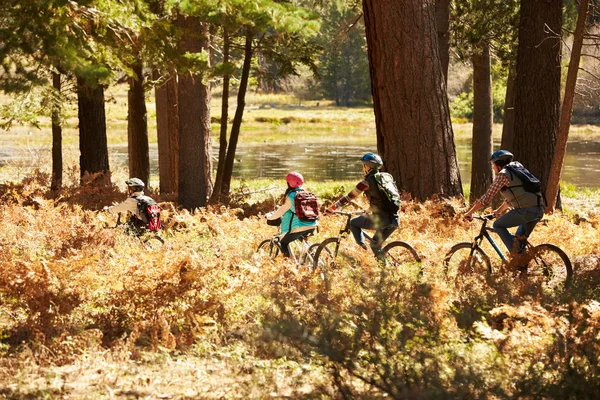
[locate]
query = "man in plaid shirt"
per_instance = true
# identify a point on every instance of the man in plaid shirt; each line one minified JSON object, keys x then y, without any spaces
{"x":526,"y":208}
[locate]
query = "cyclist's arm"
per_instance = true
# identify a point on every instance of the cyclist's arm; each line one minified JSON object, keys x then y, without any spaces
{"x":281,"y":210}
{"x":487,"y":198}
{"x":354,"y":193}
{"x":129,"y":205}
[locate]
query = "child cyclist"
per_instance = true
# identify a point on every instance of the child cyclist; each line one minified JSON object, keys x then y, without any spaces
{"x":291,"y":225}
{"x":383,"y":221}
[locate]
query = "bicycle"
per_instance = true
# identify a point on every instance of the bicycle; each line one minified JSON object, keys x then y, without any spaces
{"x":302,"y":252}
{"x":545,"y":262}
{"x":149,"y":239}
{"x":396,"y":253}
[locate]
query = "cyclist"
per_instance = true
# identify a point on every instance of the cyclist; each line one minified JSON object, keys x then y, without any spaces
{"x":526,"y":208}
{"x":383,"y":222}
{"x":291,"y":225}
{"x":135,"y":190}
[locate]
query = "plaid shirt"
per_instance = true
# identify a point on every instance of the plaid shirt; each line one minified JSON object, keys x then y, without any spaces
{"x":500,"y":181}
{"x":354,"y":193}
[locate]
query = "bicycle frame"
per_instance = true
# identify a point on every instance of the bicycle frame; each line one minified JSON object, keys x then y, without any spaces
{"x":343,"y":233}
{"x":485,"y":233}
{"x":299,"y":246}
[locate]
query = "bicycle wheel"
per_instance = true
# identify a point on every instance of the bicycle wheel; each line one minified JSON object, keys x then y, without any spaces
{"x":549,"y":266}
{"x":465,"y":262}
{"x":152,"y":242}
{"x":268,"y":248}
{"x":400,"y":254}
{"x":324,"y":258}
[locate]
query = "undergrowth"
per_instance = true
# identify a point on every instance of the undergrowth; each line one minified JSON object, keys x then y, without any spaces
{"x":78,"y":294}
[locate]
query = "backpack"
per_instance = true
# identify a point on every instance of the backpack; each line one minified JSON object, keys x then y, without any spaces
{"x":530,"y":182}
{"x":307,"y":206}
{"x":150,"y":212}
{"x":388,"y":192}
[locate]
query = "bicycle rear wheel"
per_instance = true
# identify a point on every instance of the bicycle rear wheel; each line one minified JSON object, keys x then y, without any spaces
{"x":549,"y":266}
{"x":466,"y":262}
{"x":268,"y":248}
{"x":401,"y":254}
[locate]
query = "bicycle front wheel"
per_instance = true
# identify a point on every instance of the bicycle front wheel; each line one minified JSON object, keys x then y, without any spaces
{"x":324,"y":258}
{"x":465,"y":262}
{"x":550,"y":266}
{"x":268,"y":248}
{"x":401,"y":254}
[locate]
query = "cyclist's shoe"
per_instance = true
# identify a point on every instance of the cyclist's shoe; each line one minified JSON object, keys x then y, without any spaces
{"x":380,"y":256}
{"x":364,"y":246}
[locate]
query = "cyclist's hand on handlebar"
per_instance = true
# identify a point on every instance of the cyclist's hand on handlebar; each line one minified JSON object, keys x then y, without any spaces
{"x":468,"y":217}
{"x":328,"y":211}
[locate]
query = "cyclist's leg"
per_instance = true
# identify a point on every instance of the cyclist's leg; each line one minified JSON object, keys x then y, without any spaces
{"x":386,"y":224}
{"x":510,"y":219}
{"x":357,"y":225}
{"x":533,"y":215}
{"x":289,"y":238}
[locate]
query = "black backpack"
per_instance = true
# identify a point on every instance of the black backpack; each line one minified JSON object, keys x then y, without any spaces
{"x":388,"y":192}
{"x":530,"y":182}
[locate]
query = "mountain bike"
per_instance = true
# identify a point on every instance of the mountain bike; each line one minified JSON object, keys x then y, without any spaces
{"x":544,"y":263}
{"x":302,"y":251}
{"x":149,"y":239}
{"x":394,"y":254}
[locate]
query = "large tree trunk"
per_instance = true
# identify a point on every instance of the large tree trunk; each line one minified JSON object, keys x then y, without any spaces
{"x":57,"y":160}
{"x":137,"y":126}
{"x":195,"y":148}
{"x":167,"y":128}
{"x":442,"y":23}
{"x":92,"y":131}
{"x":239,"y":112}
{"x":481,"y":171}
{"x":537,"y":102}
{"x":414,"y":133}
{"x":508,"y":126}
{"x":218,"y":189}
{"x":552,"y":188}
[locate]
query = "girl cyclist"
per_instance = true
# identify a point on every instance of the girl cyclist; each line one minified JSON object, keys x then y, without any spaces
{"x":291,"y":225}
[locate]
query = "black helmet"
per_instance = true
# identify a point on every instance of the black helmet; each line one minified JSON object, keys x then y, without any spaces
{"x":135,"y":183}
{"x":372,"y":160}
{"x":501,"y":155}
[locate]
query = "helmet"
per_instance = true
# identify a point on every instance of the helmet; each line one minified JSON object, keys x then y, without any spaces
{"x":294,"y":179}
{"x":501,"y":155}
{"x":135,"y":183}
{"x":372,"y":160}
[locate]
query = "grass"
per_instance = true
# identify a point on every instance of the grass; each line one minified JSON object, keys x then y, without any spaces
{"x":86,"y":312}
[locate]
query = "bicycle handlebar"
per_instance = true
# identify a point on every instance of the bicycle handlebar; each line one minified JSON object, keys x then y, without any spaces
{"x":351,"y":213}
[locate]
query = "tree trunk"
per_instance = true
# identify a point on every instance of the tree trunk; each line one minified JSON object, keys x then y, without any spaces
{"x":239,"y":112}
{"x":167,"y":127}
{"x":218,"y":189}
{"x":552,"y":188}
{"x":57,"y":161}
{"x":481,"y":171}
{"x":442,"y":23}
{"x":508,"y":126}
{"x":537,"y":102}
{"x":414,"y":133}
{"x":195,"y":149}
{"x":92,"y":131}
{"x":137,"y":126}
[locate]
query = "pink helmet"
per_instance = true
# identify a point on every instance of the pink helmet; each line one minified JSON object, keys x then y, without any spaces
{"x":294,"y":179}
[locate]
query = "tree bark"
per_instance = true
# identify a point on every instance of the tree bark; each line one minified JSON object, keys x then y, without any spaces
{"x":442,"y":23}
{"x":57,"y":160}
{"x":508,"y":126}
{"x":239,"y":112}
{"x":414,"y":133}
{"x":93,"y":145}
{"x":552,"y":188}
{"x":218,"y":189}
{"x":537,"y":102}
{"x":195,"y":149}
{"x":137,"y":126}
{"x":481,"y":171}
{"x":167,"y":127}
